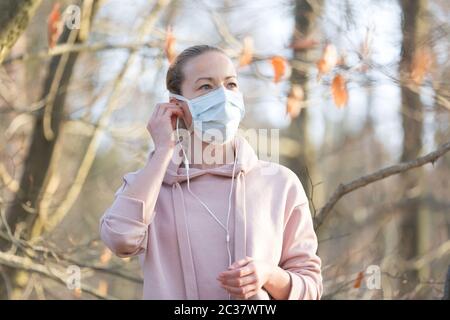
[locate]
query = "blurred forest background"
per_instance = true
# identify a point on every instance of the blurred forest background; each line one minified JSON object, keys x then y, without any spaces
{"x":359,"y":89}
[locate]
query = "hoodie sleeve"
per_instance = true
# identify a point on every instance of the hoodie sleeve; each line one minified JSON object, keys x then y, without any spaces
{"x":124,"y":225}
{"x":299,"y":256}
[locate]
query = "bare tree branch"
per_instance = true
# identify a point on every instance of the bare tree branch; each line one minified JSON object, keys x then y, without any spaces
{"x":46,"y":253}
{"x":14,"y":18}
{"x":82,"y":47}
{"x":360,"y":182}
{"x":26,"y":264}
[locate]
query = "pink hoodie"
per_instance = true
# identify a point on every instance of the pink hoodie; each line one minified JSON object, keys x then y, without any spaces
{"x":182,"y":248}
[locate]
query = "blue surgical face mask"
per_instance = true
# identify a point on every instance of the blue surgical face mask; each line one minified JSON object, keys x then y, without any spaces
{"x":216,"y":115}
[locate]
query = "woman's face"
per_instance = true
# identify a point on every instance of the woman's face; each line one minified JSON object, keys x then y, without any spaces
{"x":205,"y":73}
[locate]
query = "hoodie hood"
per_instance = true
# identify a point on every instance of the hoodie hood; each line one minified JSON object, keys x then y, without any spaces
{"x":246,"y":160}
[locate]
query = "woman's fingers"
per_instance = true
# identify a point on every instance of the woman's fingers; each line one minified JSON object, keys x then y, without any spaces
{"x":162,"y":107}
{"x":156,"y":111}
{"x":241,"y":263}
{"x":236,"y":273}
{"x":242,"y":292}
{"x":159,"y":109}
{"x":170,"y":110}
{"x":249,"y":294}
{"x":172,"y":113}
{"x":162,"y":123}
{"x":239,"y":282}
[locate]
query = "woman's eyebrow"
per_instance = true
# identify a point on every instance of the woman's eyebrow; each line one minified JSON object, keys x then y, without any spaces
{"x":212,"y":79}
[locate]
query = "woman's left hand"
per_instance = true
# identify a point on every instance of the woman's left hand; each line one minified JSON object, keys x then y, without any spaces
{"x":245,"y":277}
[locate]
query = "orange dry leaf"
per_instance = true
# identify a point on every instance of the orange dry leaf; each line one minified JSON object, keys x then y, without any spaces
{"x":339,"y":91}
{"x":106,"y":256}
{"x":54,"y":25}
{"x":169,"y":45}
{"x":358,"y":280}
{"x":77,"y":293}
{"x":328,"y":60}
{"x":103,"y":287}
{"x":294,"y":101}
{"x":246,"y":56}
{"x":279,"y":67}
{"x":421,"y":64}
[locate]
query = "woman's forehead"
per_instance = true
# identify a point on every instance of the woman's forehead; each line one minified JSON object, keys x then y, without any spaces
{"x":209,"y":65}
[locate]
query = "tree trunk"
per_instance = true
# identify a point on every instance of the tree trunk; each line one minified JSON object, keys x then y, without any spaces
{"x":412,"y":121}
{"x":23,"y":213}
{"x":14,"y":18}
{"x":303,"y":165}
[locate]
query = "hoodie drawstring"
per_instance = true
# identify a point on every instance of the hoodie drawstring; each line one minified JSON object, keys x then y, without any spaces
{"x":240,"y":222}
{"x":184,"y":245}
{"x":240,"y":236}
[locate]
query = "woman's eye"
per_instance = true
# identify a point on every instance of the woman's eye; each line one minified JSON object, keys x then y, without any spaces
{"x":205,"y":86}
{"x":234,"y":85}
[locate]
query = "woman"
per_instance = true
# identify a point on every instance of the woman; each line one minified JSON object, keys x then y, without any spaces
{"x":223,"y":229}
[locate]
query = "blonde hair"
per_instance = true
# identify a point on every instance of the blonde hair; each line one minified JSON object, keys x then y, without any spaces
{"x":175,"y":75}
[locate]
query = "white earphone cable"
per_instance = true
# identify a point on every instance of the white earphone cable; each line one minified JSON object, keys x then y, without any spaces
{"x":226,"y":228}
